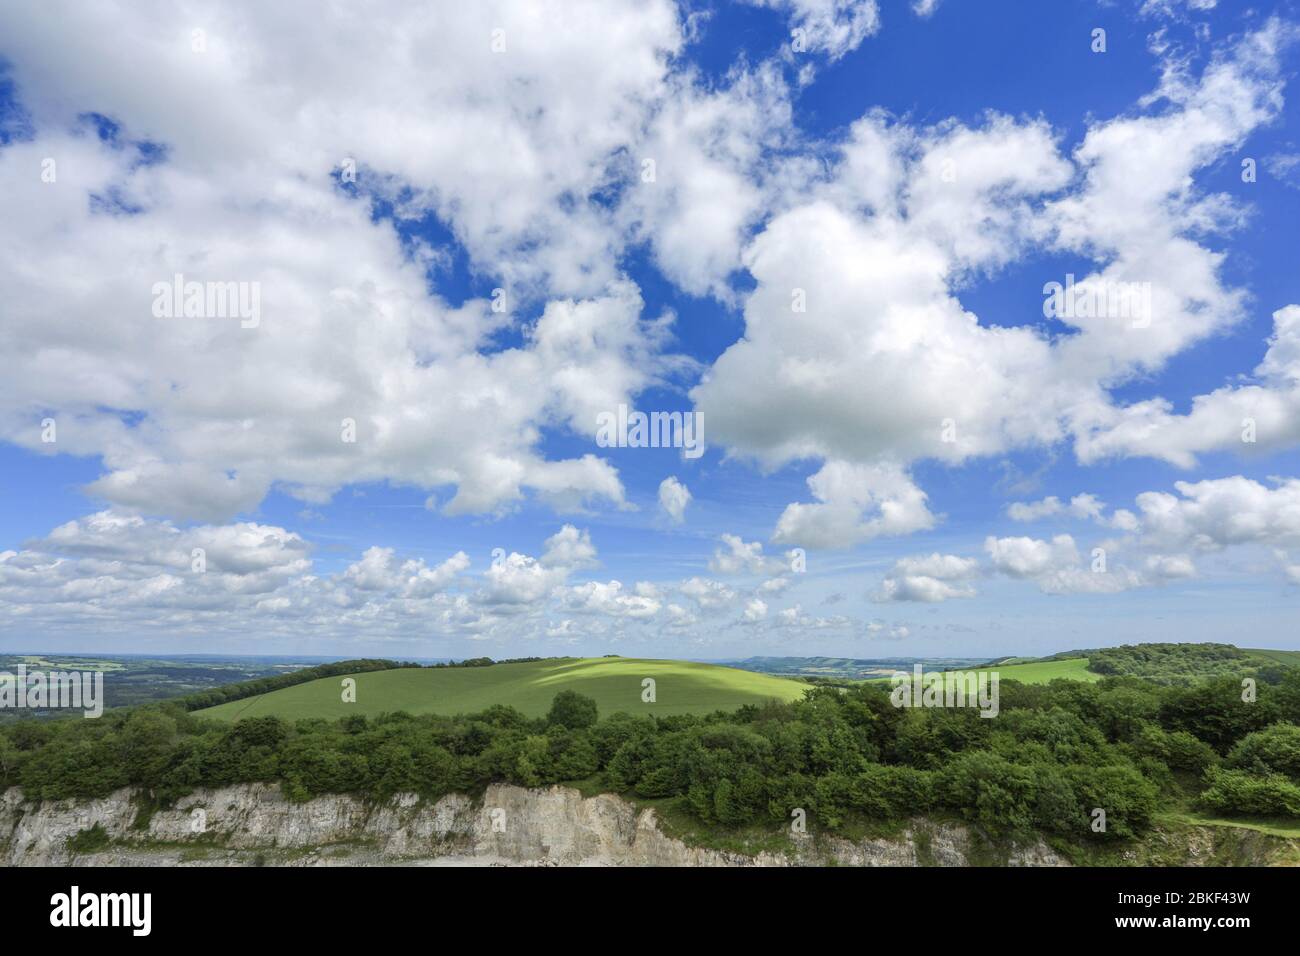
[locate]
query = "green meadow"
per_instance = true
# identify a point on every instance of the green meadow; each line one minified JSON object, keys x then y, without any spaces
{"x":615,"y":683}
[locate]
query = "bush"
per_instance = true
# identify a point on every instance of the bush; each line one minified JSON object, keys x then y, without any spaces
{"x":990,"y":790}
{"x":90,"y":840}
{"x":1275,"y":749}
{"x":572,"y":710}
{"x":1236,"y":792}
{"x":1129,"y":798}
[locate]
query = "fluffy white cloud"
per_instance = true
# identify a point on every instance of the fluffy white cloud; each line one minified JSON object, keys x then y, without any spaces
{"x":1242,"y":418}
{"x":673,"y":499}
{"x":929,"y":578}
{"x":1034,"y":510}
{"x":112,"y":572}
{"x":1031,"y":557}
{"x":1056,"y":568}
{"x":741,"y":557}
{"x":543,"y":104}
{"x":380,"y":570}
{"x":569,"y":548}
{"x":834,"y":27}
{"x":1218,"y":513}
{"x":609,"y":598}
{"x":706,"y":174}
{"x":1164,"y":534}
{"x":200,"y":417}
{"x":855,"y":503}
{"x":1176,"y":8}
{"x":1170,"y":566}
{"x":708,"y":594}
{"x":519,"y":580}
{"x":919,"y":587}
{"x":868,"y":359}
{"x":1139,"y":212}
{"x":1081,"y":506}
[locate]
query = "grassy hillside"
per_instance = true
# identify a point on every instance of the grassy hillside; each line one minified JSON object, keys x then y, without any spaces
{"x":1040,"y":672}
{"x":614,"y":683}
{"x":1289,"y":658}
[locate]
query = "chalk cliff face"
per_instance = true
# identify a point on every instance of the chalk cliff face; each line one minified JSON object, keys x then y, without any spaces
{"x":510,"y":825}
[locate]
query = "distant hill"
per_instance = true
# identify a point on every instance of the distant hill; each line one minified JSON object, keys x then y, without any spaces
{"x":1170,"y":664}
{"x":681,"y":687}
{"x":1183,"y":664}
{"x":848,"y":668}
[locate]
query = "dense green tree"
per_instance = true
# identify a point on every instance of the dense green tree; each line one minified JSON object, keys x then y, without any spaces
{"x":572,"y":710}
{"x":1274,"y":749}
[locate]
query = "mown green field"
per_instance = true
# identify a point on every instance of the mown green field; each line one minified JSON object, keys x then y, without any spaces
{"x":681,"y":687}
{"x":1040,"y":672}
{"x":1290,"y":658}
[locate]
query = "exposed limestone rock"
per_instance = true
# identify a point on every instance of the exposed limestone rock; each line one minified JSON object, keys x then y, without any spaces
{"x":508,"y":826}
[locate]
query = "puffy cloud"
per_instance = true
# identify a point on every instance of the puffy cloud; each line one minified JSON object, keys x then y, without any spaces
{"x":1034,"y":510}
{"x":1242,"y":418}
{"x":673,"y":499}
{"x":569,"y":548}
{"x":228,"y":172}
{"x":706,"y":174}
{"x":710,"y":595}
{"x":855,"y":503}
{"x":1031,"y":557}
{"x":1176,"y":8}
{"x":1165,"y":532}
{"x":1218,"y":513}
{"x":565,"y":87}
{"x":1087,"y":506}
{"x":741,"y":557}
{"x":239,"y":549}
{"x":519,"y":580}
{"x":1081,"y":506}
{"x":1137,"y":210}
{"x":931,"y":578}
{"x":1055,"y":566}
{"x":608,"y":598}
{"x":834,"y":27}
{"x":380,"y":570}
{"x":680,"y":618}
{"x":919,"y":587}
{"x":1170,"y":566}
{"x":111,"y":571}
{"x":854,"y":328}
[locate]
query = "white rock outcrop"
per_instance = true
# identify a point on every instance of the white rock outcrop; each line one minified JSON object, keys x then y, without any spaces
{"x":508,"y":826}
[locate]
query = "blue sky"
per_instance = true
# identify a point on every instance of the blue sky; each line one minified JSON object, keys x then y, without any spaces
{"x":797,"y":145}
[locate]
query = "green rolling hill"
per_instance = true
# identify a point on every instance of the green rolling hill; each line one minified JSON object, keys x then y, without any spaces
{"x":681,"y":687}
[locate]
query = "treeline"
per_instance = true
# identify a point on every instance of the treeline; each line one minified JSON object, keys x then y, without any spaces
{"x":200,"y":700}
{"x":1054,"y":755}
{"x":1180,"y":664}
